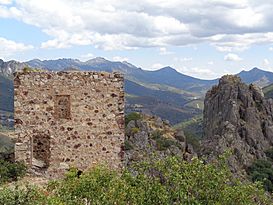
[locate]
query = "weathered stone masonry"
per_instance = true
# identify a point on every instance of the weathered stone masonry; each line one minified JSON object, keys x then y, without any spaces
{"x":67,"y":119}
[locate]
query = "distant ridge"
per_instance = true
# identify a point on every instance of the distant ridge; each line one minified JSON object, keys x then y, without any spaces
{"x":257,"y":76}
{"x":169,"y":90}
{"x":167,"y":75}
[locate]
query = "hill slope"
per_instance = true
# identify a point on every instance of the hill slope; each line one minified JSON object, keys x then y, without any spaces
{"x":165,"y":104}
{"x":268,"y":91}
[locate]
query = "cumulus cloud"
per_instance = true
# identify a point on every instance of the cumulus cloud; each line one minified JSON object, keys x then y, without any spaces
{"x":5,"y":1}
{"x":232,"y":57}
{"x":117,"y":25}
{"x":8,"y":47}
{"x":198,"y":72}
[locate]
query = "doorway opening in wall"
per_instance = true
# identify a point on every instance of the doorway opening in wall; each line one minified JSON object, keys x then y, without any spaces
{"x":40,"y":151}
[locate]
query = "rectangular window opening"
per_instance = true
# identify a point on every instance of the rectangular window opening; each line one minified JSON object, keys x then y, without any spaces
{"x":62,"y":107}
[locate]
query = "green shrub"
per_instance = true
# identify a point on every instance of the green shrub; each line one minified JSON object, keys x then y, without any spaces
{"x":269,"y":153}
{"x":132,"y":116}
{"x":193,"y":140}
{"x":128,"y":146}
{"x":262,"y":170}
{"x":29,"y":69}
{"x":135,"y":130}
{"x":162,"y":142}
{"x":156,"y":134}
{"x":23,"y":195}
{"x":11,"y":171}
{"x":165,"y":143}
{"x":163,"y":182}
{"x":168,"y":181}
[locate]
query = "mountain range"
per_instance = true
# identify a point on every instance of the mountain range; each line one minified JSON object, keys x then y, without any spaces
{"x":164,"y":92}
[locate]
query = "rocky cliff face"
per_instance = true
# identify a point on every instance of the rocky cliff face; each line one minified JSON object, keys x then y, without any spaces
{"x":8,"y":68}
{"x":150,"y":137}
{"x":237,"y":117}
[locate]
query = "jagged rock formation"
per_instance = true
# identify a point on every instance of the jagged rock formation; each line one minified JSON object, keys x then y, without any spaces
{"x":8,"y":68}
{"x":150,"y":137}
{"x":237,"y":117}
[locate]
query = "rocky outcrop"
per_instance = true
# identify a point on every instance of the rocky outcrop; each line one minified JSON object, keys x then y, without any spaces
{"x":150,"y":137}
{"x":8,"y":68}
{"x":239,"y":118}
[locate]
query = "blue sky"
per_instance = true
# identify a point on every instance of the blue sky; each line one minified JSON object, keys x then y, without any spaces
{"x":201,"y":38}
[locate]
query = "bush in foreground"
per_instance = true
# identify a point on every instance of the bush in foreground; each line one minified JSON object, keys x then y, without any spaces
{"x":11,"y":171}
{"x":262,"y":170}
{"x":169,"y":181}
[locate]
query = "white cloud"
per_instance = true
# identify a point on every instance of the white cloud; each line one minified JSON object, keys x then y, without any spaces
{"x":210,"y":63}
{"x":270,"y":48}
{"x":266,"y":62}
{"x":182,"y":60}
{"x":232,"y":57}
{"x":9,"y":48}
{"x":87,"y":56}
{"x":5,"y":2}
{"x":200,"y":72}
{"x":185,"y":59}
{"x":119,"y":58}
{"x":157,"y":66}
{"x":117,"y":25}
{"x":164,"y":51}
{"x":229,"y":43}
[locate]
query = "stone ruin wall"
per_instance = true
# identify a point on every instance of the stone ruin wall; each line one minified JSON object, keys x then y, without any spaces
{"x":69,"y":119}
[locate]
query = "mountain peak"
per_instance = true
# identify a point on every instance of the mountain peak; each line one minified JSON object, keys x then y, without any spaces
{"x":36,"y":59}
{"x":255,"y":69}
{"x":128,"y":64}
{"x":257,"y":76}
{"x":168,"y":68}
{"x":97,"y":60}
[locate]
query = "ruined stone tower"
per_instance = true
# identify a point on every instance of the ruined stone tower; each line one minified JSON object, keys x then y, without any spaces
{"x":68,"y":119}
